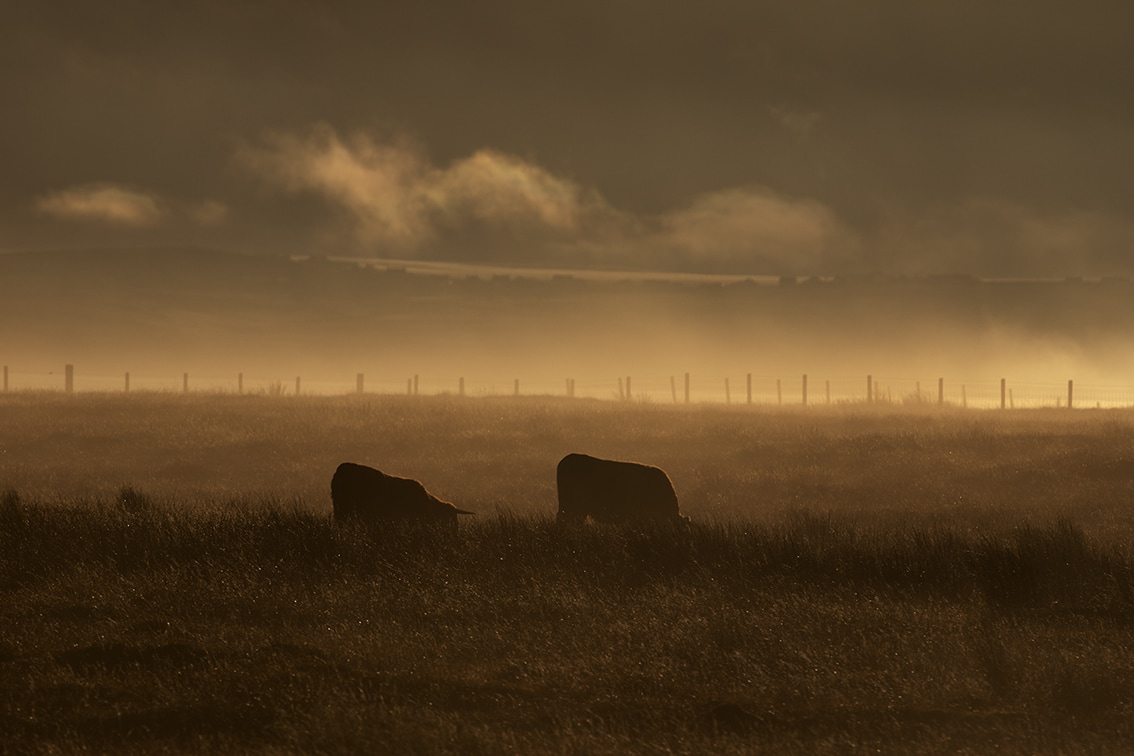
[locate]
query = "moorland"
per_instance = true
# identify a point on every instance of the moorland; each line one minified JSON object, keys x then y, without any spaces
{"x":896,"y":578}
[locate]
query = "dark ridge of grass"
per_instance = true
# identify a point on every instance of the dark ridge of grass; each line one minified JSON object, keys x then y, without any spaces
{"x":1052,"y":566}
{"x":1034,"y":565}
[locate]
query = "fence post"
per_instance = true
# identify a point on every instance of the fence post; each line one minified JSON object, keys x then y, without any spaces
{"x":69,"y":378}
{"x":240,"y":383}
{"x":5,"y":378}
{"x":358,"y":383}
{"x":297,"y":385}
{"x":461,"y":386}
{"x":126,"y":390}
{"x":687,"y":388}
{"x":828,"y":391}
{"x":727,"y":396}
{"x":748,"y":386}
{"x":517,"y":387}
{"x":185,"y":383}
{"x":869,"y":389}
{"x":415,"y":384}
{"x":1070,"y":393}
{"x":629,"y":396}
{"x":805,"y":389}
{"x":673,"y":387}
{"x":1003,"y":394}
{"x":941,"y":391}
{"x":779,"y":392}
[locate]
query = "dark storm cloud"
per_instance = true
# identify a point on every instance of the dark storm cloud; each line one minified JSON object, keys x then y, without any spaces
{"x":808,"y":137}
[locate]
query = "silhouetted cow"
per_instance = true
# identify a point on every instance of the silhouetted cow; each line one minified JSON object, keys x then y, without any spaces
{"x":608,"y":491}
{"x":363,"y":494}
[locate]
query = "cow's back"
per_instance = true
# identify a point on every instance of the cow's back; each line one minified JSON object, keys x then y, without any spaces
{"x":613,"y":491}
{"x":363,"y":493}
{"x":354,"y":489}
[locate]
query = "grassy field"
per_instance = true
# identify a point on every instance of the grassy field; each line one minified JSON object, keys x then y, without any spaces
{"x":908,"y":580}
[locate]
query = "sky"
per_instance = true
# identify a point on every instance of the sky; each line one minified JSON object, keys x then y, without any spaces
{"x":764,"y":137}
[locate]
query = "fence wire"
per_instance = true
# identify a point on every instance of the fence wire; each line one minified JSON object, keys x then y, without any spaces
{"x":679,"y":388}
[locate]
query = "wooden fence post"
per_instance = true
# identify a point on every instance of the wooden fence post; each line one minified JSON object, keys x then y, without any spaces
{"x":69,"y":378}
{"x":358,"y":383}
{"x":805,"y":389}
{"x":828,"y":391}
{"x":126,"y":390}
{"x":5,"y":378}
{"x":727,"y":396}
{"x":941,"y":391}
{"x":687,"y":388}
{"x":461,"y":386}
{"x":297,"y":385}
{"x":748,"y":386}
{"x":869,"y":389}
{"x":517,"y":387}
{"x":673,"y":387}
{"x":1003,"y":394}
{"x":779,"y":392}
{"x":185,"y":383}
{"x":1070,"y":394}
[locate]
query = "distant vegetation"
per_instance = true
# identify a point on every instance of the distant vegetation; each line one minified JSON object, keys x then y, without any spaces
{"x":906,"y":580}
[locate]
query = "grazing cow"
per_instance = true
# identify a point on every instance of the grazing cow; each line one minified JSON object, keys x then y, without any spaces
{"x":363,"y":494}
{"x":608,"y":491}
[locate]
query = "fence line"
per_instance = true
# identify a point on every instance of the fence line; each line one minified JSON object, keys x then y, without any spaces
{"x":677,"y":388}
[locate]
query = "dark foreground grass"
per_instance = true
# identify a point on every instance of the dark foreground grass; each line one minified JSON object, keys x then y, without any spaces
{"x":130,"y":626}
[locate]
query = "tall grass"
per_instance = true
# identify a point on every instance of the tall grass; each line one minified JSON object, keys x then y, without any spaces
{"x":170,"y":580}
{"x":985,"y":470}
{"x":271,"y":629}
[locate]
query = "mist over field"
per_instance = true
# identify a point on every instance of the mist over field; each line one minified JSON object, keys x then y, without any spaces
{"x":161,"y":313}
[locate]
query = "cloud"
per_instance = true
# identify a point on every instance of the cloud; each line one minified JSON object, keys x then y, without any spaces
{"x":1000,"y":238}
{"x":737,"y":227}
{"x":395,"y":196}
{"x":501,"y":189}
{"x":121,"y":206}
{"x":497,"y":207}
{"x":374,"y":182}
{"x":105,"y":203}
